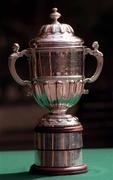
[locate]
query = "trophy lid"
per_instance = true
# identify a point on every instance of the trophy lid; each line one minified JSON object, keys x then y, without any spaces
{"x":56,"y":34}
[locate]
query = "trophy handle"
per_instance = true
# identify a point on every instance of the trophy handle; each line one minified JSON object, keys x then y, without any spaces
{"x":12,"y":61}
{"x":99,"y":56}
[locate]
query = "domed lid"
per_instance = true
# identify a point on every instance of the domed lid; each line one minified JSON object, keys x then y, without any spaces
{"x":56,"y":33}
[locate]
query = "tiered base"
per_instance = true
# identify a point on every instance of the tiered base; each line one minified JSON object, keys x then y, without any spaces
{"x":58,"y":150}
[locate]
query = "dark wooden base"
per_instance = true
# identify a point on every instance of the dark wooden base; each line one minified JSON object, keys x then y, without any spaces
{"x":58,"y":170}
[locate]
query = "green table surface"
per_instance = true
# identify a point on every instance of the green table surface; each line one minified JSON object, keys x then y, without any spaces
{"x":14,"y":165}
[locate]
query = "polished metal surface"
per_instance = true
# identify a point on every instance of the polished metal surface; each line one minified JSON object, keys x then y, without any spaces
{"x":59,"y":141}
{"x":56,"y":66}
{"x":58,"y":118}
{"x":56,"y":59}
{"x":64,"y":158}
{"x":58,"y":93}
{"x":56,"y":33}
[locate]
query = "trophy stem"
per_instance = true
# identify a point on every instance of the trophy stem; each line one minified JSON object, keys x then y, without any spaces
{"x":58,"y":111}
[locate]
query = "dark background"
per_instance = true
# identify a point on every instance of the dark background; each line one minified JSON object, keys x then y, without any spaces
{"x":20,"y":21}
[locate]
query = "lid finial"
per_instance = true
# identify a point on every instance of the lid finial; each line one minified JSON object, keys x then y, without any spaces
{"x":55,"y":15}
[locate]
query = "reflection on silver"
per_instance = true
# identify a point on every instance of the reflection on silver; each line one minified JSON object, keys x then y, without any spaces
{"x":57,"y":81}
{"x":59,"y":158}
{"x":58,"y":141}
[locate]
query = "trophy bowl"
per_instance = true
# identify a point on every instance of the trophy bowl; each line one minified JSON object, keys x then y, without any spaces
{"x":57,"y":81}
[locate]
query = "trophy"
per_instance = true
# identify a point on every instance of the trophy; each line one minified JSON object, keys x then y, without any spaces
{"x":57,"y":81}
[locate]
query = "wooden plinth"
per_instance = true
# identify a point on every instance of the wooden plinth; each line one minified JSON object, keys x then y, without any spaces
{"x":58,"y":170}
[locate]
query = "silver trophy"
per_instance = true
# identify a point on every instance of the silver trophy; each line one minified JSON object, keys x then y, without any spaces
{"x":57,"y":81}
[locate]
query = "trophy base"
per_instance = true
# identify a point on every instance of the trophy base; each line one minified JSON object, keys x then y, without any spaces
{"x":58,"y":150}
{"x":58,"y":170}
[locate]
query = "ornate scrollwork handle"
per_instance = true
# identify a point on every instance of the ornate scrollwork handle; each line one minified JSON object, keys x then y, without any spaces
{"x":99,"y":56}
{"x":12,"y":61}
